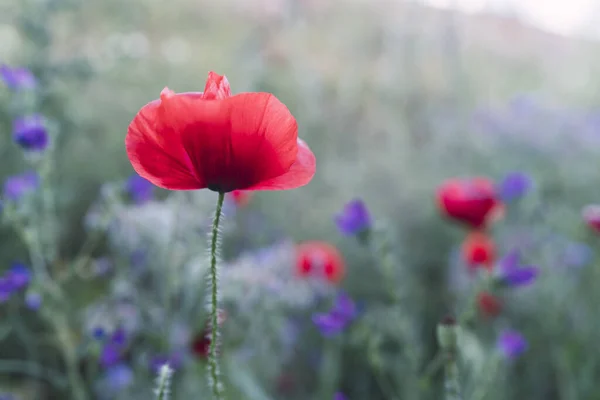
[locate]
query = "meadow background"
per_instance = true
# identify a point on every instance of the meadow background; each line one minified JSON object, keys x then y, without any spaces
{"x":393,"y":98}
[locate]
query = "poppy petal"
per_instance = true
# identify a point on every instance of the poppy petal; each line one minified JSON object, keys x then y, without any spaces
{"x":240,"y":141}
{"x":300,"y":173}
{"x":156,"y":152}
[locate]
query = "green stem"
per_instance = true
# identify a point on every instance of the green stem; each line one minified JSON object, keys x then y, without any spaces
{"x":447,"y":335}
{"x":214,"y":302}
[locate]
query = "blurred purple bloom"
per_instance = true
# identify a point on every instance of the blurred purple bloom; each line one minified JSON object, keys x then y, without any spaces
{"x":102,"y":266}
{"x":139,"y":189}
{"x":119,"y":377}
{"x":110,"y":355}
{"x":30,"y":133}
{"x":354,"y":218}
{"x":138,"y":258}
{"x":6,"y":289}
{"x":18,"y":185}
{"x":339,"y":396}
{"x":17,"y":78}
{"x":33,"y":300}
{"x":119,"y":337}
{"x":98,"y":333}
{"x":513,"y":273}
{"x":19,"y":275}
{"x":577,"y":255}
{"x":514,"y":186}
{"x":338,"y":318}
{"x":511,"y":344}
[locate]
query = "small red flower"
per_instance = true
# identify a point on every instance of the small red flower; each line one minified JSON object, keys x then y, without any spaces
{"x":248,"y":141}
{"x":479,"y":249}
{"x":488,"y":304}
{"x":200,"y":346}
{"x":240,"y":197}
{"x":320,"y":258}
{"x":470,"y":201}
{"x":591,"y":216}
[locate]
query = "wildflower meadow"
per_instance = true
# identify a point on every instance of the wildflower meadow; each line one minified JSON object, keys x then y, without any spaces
{"x":296,"y":199}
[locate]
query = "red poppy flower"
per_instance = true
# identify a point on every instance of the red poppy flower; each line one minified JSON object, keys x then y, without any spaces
{"x":214,"y":140}
{"x":200,"y":346}
{"x":591,"y":216}
{"x":320,"y":258}
{"x":479,"y":249}
{"x":240,"y":197}
{"x":470,"y":201}
{"x":488,"y":304}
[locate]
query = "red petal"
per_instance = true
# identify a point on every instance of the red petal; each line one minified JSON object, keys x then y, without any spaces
{"x":217,"y":87}
{"x":240,"y":141}
{"x":300,"y":173}
{"x":156,"y":152}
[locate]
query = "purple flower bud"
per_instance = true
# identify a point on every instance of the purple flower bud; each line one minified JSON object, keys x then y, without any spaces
{"x":15,"y":187}
{"x":339,"y":396}
{"x":354,"y":218}
{"x":512,"y":273}
{"x":338,"y":318}
{"x":119,"y":337}
{"x":514,"y":186}
{"x":30,"y":133}
{"x":19,"y":275}
{"x":139,"y":189}
{"x":98,"y":333}
{"x":511,"y":344}
{"x":17,"y":78}
{"x":174,"y":360}
{"x":33,"y":300}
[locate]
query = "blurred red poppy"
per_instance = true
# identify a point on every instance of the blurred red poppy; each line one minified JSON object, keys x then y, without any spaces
{"x":320,"y":258}
{"x":591,"y":216}
{"x":240,"y":197}
{"x":479,"y":250}
{"x":200,"y":345}
{"x":470,"y":201}
{"x":488,"y":304}
{"x":214,"y":140}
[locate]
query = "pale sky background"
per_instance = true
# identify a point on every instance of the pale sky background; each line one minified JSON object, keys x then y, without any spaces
{"x":567,"y":17}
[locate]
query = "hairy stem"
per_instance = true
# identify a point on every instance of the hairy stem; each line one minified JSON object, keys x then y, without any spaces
{"x":214,"y":303}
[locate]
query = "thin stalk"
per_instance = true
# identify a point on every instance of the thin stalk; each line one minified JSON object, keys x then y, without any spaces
{"x":213,"y":364}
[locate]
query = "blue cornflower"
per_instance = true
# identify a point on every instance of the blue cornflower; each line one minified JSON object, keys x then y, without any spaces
{"x":17,"y":78}
{"x":354,"y":218}
{"x":140,"y":190}
{"x":119,"y":377}
{"x":511,"y":344}
{"x":512,"y":273}
{"x":514,"y":186}
{"x":110,"y":355}
{"x":98,"y":333}
{"x":19,"y":275}
{"x":17,"y":186}
{"x":30,"y":133}
{"x":338,"y":318}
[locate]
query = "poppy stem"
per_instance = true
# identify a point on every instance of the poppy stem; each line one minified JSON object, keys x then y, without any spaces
{"x":214,"y":302}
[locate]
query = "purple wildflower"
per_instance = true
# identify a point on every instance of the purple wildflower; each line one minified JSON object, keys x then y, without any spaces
{"x":33,"y":300}
{"x":174,"y":360}
{"x":139,"y":189}
{"x":338,"y":318}
{"x":339,"y":396}
{"x":514,"y":186}
{"x":30,"y":133}
{"x":513,"y":273}
{"x":19,"y":275}
{"x":6,"y":289}
{"x":98,"y":333}
{"x":119,"y":377}
{"x":17,"y":78}
{"x":17,"y":186}
{"x":511,"y":344}
{"x":119,"y":337}
{"x":354,"y":218}
{"x":110,"y":355}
